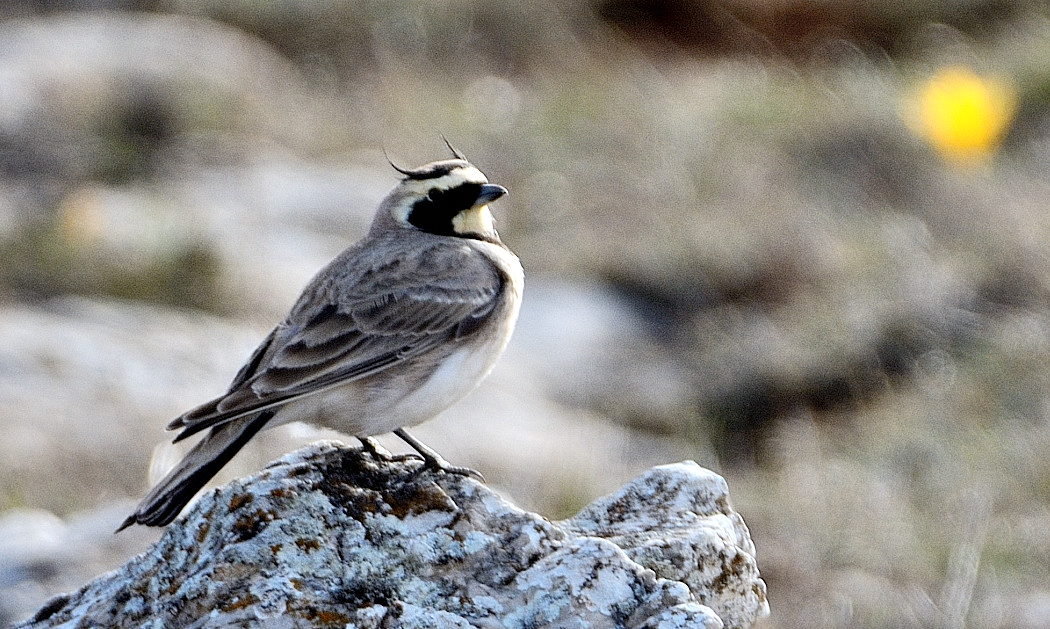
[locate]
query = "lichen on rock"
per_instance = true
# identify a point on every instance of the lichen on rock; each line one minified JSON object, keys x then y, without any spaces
{"x":331,"y":537}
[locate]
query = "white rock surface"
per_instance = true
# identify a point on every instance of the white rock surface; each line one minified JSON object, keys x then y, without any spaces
{"x":327,"y":536}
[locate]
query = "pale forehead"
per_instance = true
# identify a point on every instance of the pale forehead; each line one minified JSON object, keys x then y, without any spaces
{"x":453,"y":178}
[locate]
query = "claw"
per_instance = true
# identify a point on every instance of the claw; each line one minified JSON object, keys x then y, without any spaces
{"x":379,"y":453}
{"x":433,"y":461}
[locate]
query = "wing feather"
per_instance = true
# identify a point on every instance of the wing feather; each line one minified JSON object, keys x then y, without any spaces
{"x":359,"y":317}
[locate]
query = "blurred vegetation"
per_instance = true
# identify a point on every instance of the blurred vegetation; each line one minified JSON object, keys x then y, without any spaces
{"x":866,"y":319}
{"x":42,"y":262}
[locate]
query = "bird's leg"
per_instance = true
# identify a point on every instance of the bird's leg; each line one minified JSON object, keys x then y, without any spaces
{"x":379,"y":453}
{"x":433,"y":461}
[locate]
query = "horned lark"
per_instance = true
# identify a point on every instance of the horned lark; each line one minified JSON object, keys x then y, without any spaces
{"x":393,"y":331}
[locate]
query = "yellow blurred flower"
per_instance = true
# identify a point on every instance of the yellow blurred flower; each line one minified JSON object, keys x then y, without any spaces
{"x":962,"y":115}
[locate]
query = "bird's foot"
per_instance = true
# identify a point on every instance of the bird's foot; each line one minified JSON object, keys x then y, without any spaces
{"x":438,"y":464}
{"x":379,"y":453}
{"x":433,"y":461}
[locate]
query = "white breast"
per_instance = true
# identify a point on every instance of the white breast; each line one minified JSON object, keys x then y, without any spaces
{"x":389,"y":401}
{"x":461,"y":372}
{"x":456,"y":377}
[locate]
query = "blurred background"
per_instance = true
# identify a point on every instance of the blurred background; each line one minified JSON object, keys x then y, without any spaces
{"x":803,"y":242}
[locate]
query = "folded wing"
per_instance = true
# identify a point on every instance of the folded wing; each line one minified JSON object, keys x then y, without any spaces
{"x":385,"y":315}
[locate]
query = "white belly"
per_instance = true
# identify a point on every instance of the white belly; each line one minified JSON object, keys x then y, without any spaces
{"x":395,"y":399}
{"x":387,"y":402}
{"x":457,"y":376}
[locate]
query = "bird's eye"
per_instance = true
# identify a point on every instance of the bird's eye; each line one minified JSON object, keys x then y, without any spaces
{"x":435,"y":194}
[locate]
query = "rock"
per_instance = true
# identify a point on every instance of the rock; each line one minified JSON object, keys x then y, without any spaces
{"x":42,"y":554}
{"x":329,"y":536}
{"x":86,"y":386}
{"x":598,"y":352}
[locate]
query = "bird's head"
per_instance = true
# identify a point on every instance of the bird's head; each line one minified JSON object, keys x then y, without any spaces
{"x":448,"y":198}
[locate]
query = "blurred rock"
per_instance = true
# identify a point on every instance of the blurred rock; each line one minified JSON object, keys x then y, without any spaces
{"x":86,"y":386}
{"x":155,"y":157}
{"x":594,"y":349}
{"x":328,"y":535}
{"x":41,"y":554}
{"x":88,"y":91}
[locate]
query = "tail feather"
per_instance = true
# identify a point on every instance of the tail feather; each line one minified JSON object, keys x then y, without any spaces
{"x":164,"y":502}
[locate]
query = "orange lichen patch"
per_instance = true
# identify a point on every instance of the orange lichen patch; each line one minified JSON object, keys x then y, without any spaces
{"x":412,"y":499}
{"x":202,"y":531}
{"x":308,"y":544}
{"x":240,"y":500}
{"x":251,"y":524}
{"x":240,"y":603}
{"x":963,"y":116}
{"x":170,"y":587}
{"x":331,"y":618}
{"x":323,"y":617}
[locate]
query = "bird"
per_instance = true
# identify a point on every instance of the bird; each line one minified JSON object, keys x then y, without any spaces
{"x":394,"y":330}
